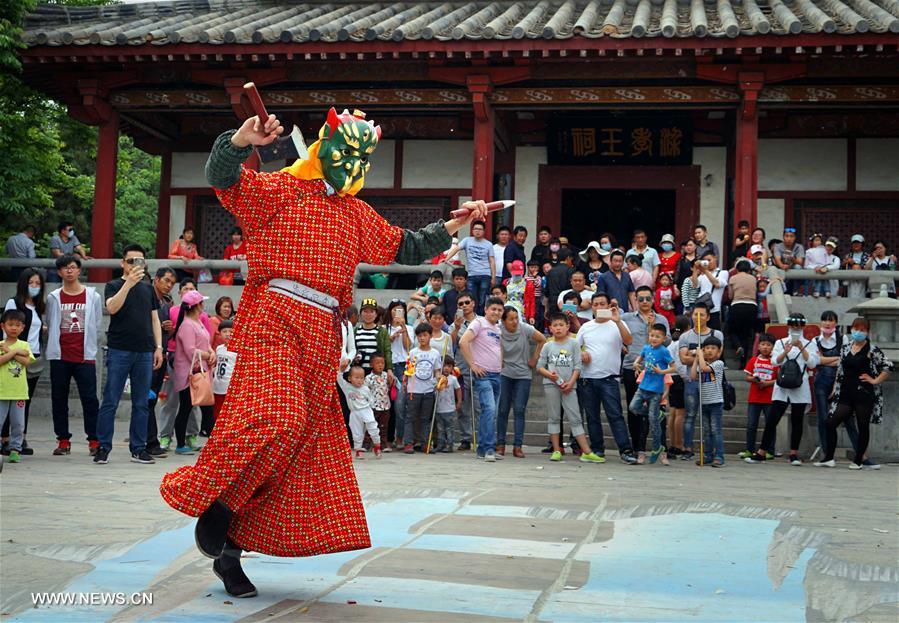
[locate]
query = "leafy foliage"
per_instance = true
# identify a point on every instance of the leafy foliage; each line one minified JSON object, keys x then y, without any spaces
{"x":48,"y":158}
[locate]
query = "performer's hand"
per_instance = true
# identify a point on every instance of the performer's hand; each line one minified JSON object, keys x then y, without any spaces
{"x":252,"y":132}
{"x":477,"y":211}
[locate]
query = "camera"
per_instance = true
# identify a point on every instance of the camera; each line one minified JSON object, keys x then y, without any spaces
{"x":704,"y":263}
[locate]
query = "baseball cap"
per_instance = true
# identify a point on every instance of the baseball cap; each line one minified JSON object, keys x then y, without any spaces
{"x":857,"y":238}
{"x":668,"y":238}
{"x":756,"y":248}
{"x":369,"y":303}
{"x":193,"y":297}
{"x":832,"y":242}
{"x":517,"y":268}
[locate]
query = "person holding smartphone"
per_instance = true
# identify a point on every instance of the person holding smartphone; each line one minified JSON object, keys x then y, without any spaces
{"x":134,"y":350}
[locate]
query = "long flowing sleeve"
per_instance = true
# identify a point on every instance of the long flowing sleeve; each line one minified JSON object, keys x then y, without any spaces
{"x":421,"y":245}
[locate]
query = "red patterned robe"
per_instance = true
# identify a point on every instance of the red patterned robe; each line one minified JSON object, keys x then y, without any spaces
{"x":279,"y":452}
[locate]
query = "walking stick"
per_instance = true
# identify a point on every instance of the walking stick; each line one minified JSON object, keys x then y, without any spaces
{"x":474,"y":429}
{"x":434,"y":410}
{"x":699,"y":380}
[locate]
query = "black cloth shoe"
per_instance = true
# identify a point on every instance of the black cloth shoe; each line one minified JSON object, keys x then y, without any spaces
{"x":4,"y":449}
{"x":102,"y":456}
{"x":142,"y":457}
{"x":26,"y":449}
{"x":227,"y":568}
{"x":212,"y":529}
{"x":157,"y":453}
{"x":465,"y":445}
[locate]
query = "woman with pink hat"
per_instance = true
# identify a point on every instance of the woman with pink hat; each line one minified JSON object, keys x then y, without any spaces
{"x":191,"y":343}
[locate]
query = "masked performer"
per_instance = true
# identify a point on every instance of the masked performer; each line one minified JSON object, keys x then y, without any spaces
{"x":276,"y":476}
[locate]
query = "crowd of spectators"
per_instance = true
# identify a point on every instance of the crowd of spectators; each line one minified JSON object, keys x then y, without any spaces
{"x":445,"y":368}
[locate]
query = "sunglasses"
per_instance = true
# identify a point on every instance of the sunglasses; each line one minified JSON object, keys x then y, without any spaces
{"x":789,"y":230}
{"x":644,"y":299}
{"x":135,"y":260}
{"x":465,"y":302}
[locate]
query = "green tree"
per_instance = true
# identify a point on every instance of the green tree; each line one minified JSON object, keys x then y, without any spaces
{"x":47,"y":169}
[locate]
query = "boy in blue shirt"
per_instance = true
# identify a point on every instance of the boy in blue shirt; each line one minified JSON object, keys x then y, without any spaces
{"x":655,"y":360}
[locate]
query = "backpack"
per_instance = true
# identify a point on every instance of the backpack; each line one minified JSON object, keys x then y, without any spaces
{"x":791,"y":375}
{"x":729,"y":392}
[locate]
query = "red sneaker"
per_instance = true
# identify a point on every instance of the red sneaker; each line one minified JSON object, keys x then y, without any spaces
{"x":359,"y":455}
{"x":64,"y":447}
{"x":408,"y":449}
{"x":93,"y":446}
{"x":377,"y":451}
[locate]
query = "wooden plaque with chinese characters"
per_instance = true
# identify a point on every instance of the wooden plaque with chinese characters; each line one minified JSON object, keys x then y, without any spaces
{"x":621,"y":140}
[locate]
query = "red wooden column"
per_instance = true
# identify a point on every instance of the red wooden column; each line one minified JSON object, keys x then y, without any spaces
{"x":484,"y":127}
{"x":746,"y":148}
{"x":103,"y":221}
{"x":164,"y":213}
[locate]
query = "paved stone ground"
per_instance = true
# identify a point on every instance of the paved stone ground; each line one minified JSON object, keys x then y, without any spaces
{"x":456,"y":539}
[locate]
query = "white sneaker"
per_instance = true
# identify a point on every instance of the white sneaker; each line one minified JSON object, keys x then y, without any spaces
{"x":795,"y":462}
{"x":490,"y":457}
{"x":498,"y":457}
{"x":854,"y":466}
{"x":830,"y":463}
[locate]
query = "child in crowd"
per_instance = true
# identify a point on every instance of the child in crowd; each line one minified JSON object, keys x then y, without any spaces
{"x":665,"y":297}
{"x":15,"y":357}
{"x":362,"y":417}
{"x":675,"y":423}
{"x":420,"y":297}
{"x":516,"y":286}
{"x":449,"y":403}
{"x":533,"y":296}
{"x":224,"y":368}
{"x":761,"y":374}
{"x":572,"y":298}
{"x":656,"y":361}
{"x":560,"y":366}
{"x":708,"y":369}
{"x":380,"y":395}
{"x":500,"y":292}
{"x":816,"y":258}
{"x":419,"y":382}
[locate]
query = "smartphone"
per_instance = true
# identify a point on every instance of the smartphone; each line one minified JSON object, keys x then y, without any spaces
{"x":604,"y":313}
{"x":569,"y":307}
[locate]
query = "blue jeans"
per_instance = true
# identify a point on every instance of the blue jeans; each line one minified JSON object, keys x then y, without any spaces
{"x":691,"y":407}
{"x":480,"y":288}
{"x":646,"y":404}
{"x":605,"y":393}
{"x":487,"y":389}
{"x":514,"y":394}
{"x":712,"y":415}
{"x":120,"y":365}
{"x":754,"y":411}
{"x":825,"y":377}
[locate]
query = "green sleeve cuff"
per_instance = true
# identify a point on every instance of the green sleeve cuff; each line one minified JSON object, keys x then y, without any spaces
{"x":419,"y":246}
{"x":223,"y":165}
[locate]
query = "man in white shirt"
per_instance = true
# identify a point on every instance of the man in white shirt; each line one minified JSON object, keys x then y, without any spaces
{"x":711,"y":280}
{"x":579,"y":285}
{"x":602,"y":341}
{"x":503,"y":236}
{"x":651,"y":260}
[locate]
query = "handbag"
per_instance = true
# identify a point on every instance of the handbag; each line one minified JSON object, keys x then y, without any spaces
{"x":729,"y":392}
{"x":200,"y":384}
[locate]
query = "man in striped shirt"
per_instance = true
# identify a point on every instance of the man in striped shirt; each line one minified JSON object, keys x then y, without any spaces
{"x":372,"y":338}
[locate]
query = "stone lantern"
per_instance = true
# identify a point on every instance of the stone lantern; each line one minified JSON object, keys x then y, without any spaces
{"x":882,"y":313}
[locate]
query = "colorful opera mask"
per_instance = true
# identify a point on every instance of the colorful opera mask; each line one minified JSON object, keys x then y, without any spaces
{"x":347,"y":141}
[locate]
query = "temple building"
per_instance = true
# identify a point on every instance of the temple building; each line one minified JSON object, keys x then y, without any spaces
{"x":594,"y":115}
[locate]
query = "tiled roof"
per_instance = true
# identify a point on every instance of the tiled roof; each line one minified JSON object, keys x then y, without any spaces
{"x":262,"y":21}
